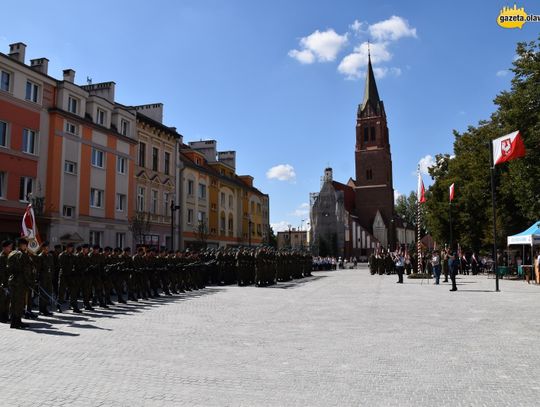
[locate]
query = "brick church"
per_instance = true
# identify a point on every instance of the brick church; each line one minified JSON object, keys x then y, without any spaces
{"x":355,"y":218}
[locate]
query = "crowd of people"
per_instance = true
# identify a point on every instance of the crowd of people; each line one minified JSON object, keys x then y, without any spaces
{"x":95,"y":275}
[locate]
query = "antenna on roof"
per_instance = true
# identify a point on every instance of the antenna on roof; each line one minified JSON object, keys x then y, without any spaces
{"x":88,"y":80}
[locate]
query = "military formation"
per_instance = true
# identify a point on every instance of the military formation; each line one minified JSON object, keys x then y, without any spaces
{"x":96,"y":275}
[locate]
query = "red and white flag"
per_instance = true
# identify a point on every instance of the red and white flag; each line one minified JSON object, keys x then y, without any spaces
{"x":508,"y":147}
{"x":452,"y":192}
{"x":421,"y":193}
{"x":29,"y":229}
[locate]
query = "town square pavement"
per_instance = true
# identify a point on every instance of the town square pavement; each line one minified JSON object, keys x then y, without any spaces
{"x":341,"y":338}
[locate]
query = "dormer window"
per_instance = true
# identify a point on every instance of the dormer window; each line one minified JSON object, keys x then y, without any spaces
{"x":124,"y":127}
{"x":73,"y":105}
{"x":101,"y":117}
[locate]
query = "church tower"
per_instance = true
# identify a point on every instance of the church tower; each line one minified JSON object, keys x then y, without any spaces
{"x":374,"y":191}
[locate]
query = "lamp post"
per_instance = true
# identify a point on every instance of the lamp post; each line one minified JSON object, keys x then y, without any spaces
{"x":173,"y":209}
{"x":290,"y":245}
{"x":250,"y":223}
{"x":406,"y":242}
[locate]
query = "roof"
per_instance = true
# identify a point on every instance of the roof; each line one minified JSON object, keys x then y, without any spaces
{"x":529,"y":236}
{"x":371,"y":95}
{"x":158,"y":125}
{"x":348,"y":193}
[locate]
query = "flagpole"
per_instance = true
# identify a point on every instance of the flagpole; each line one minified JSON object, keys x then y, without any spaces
{"x":450,"y":221}
{"x":419,"y":252}
{"x":494,"y":216}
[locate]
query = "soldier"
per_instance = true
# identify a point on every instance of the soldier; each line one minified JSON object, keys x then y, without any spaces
{"x":20,"y":268}
{"x":115,"y":271}
{"x":106,"y":274}
{"x":372,"y":263}
{"x":66,"y":261}
{"x":444,"y":264}
{"x":126,"y":272}
{"x":45,"y":272}
{"x":163,"y":272}
{"x":139,"y":265}
{"x":83,"y":273}
{"x":97,"y":262}
{"x":55,"y":253}
{"x":7,"y":247}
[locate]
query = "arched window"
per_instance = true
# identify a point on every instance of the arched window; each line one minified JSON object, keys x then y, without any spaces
{"x":369,"y":174}
{"x":366,"y":134}
{"x":372,"y":133}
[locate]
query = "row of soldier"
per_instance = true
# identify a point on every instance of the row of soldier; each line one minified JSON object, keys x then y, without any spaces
{"x":54,"y":276}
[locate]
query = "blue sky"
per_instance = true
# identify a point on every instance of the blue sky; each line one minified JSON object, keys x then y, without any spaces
{"x":280,"y":81}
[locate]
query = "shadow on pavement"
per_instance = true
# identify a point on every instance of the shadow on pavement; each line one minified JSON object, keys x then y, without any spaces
{"x":295,"y":283}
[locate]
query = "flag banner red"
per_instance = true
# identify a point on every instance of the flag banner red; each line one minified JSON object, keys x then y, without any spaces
{"x":507,"y":148}
{"x":421,"y":194}
{"x":451,"y":193}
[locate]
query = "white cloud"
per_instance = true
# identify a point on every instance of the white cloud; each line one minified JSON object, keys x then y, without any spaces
{"x":502,"y":72}
{"x":358,"y":26}
{"x":304,"y":57}
{"x":302,"y":210}
{"x":397,"y":194}
{"x":280,"y":226}
{"x":281,"y":172}
{"x":353,"y":64}
{"x":392,"y":29}
{"x":322,"y":45}
{"x":425,"y":163}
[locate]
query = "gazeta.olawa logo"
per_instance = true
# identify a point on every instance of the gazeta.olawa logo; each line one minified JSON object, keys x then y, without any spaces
{"x":515,"y":17}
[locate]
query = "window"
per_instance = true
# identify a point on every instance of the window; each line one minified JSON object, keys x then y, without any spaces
{"x":121,"y":165}
{"x":120,"y":202}
{"x":96,"y":198}
{"x":190,"y":216}
{"x":372,"y":133}
{"x":25,"y":188}
{"x":98,"y":158}
{"x":201,"y":216}
{"x":32,"y":91}
{"x":73,"y":105}
{"x":70,"y":167}
{"x":366,"y":134}
{"x":222,"y":224}
{"x":72,"y":128}
{"x":190,"y":186}
{"x":369,"y":174}
{"x":166,"y":203}
{"x":101,"y":117}
{"x":231,"y":201}
{"x":155,"y":153}
{"x":166,"y":162}
{"x":3,"y":134}
{"x":3,"y":184}
{"x":140,"y":199}
{"x":231,"y":223}
{"x":154,"y":197}
{"x":223,"y":199}
{"x":29,"y":141}
{"x":5,"y":80}
{"x":96,"y":238}
{"x":259,"y":208}
{"x":68,"y":211}
{"x":124,"y":127}
{"x":120,"y":240}
{"x":142,"y":154}
{"x":202,"y":191}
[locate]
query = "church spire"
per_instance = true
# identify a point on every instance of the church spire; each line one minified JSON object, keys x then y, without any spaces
{"x":371,"y":94}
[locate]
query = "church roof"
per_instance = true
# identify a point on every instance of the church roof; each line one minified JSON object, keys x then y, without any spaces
{"x":371,"y":95}
{"x":348,"y":193}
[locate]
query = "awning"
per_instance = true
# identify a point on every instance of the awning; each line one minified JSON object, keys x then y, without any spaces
{"x":531,"y":236}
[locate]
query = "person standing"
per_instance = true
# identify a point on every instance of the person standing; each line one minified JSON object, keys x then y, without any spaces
{"x":436,"y":265}
{"x":453,"y":265}
{"x":444,"y":264}
{"x":66,"y":261}
{"x":7,"y":247}
{"x":20,"y":268}
{"x":400,"y":266}
{"x":45,"y":272}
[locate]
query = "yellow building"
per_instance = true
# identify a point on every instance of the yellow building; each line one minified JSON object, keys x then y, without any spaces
{"x":219,"y":208}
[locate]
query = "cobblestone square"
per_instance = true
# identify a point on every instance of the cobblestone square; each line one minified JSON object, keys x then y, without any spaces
{"x":342,"y":338}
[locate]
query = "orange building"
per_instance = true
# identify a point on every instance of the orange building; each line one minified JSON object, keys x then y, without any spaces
{"x":26,"y":94}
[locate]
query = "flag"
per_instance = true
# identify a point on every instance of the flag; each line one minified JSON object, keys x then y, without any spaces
{"x":421,"y":190}
{"x":29,"y":229}
{"x":508,"y":147}
{"x":451,"y":192}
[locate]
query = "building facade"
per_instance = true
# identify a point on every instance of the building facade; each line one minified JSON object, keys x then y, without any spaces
{"x":292,"y":239}
{"x":219,"y":207}
{"x":26,"y":95}
{"x":155,"y":173}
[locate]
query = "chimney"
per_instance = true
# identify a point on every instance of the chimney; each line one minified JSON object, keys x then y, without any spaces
{"x":40,"y":65}
{"x":69,"y":75}
{"x":17,"y":51}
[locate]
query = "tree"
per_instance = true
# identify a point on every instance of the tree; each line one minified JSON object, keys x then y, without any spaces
{"x":202,"y":233}
{"x":139,"y":225}
{"x":406,"y":208}
{"x":272,"y":239}
{"x":517,"y":189}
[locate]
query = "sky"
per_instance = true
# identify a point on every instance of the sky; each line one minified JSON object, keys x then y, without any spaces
{"x":280,"y":81}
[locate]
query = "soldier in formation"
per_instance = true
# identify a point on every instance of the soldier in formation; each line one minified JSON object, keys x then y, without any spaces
{"x":94,"y":274}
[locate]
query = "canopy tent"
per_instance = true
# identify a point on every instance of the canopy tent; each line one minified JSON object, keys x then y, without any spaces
{"x":531,"y":236}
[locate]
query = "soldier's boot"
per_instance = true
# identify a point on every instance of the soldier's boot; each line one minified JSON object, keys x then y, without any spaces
{"x":95,"y":301}
{"x":16,"y":323}
{"x":88,"y":306}
{"x":103,"y":302}
{"x":121,"y":299}
{"x":4,"y":317}
{"x":75,"y":307}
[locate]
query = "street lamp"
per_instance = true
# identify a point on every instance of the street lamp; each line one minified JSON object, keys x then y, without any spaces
{"x":173,"y":209}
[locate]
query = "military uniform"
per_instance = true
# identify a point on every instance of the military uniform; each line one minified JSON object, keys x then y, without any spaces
{"x":20,"y":268}
{"x":67,"y":275}
{"x":4,"y":290}
{"x":45,"y":272}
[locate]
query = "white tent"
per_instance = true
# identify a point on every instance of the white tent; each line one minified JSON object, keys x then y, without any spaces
{"x":530,"y":237}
